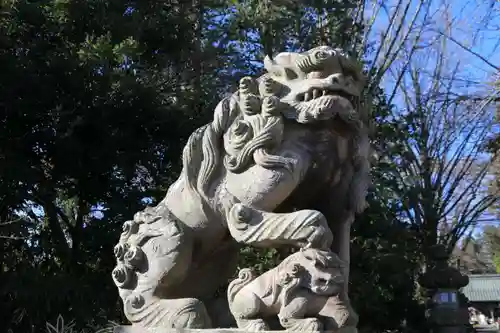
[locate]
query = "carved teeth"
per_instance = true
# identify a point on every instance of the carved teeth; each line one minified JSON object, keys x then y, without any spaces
{"x":316,"y":93}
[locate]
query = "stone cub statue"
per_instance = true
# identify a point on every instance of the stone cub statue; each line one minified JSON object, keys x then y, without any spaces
{"x":305,"y":291}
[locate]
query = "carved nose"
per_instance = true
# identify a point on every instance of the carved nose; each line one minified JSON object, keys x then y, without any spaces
{"x":317,"y":75}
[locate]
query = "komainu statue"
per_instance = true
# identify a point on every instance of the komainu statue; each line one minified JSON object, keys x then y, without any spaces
{"x":307,"y":283}
{"x":284,"y":163}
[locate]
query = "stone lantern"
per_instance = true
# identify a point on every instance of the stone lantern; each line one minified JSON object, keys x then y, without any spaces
{"x":445,"y":313}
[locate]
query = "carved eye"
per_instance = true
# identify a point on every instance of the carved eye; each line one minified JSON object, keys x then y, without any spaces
{"x":321,"y":55}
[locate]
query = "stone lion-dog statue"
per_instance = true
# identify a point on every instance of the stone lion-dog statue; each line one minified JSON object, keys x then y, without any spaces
{"x":283,"y":163}
{"x":306,"y":292}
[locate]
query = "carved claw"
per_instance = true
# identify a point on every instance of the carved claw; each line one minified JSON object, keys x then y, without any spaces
{"x":145,"y":217}
{"x":253,"y":325}
{"x":321,"y":239}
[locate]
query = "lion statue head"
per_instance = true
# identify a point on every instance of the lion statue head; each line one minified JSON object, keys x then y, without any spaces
{"x":320,"y":88}
{"x":320,"y":84}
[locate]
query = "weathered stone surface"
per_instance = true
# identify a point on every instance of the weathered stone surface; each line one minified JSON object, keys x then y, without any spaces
{"x":285,"y":142}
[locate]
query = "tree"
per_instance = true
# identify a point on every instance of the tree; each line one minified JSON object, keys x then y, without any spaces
{"x":442,"y":174}
{"x":491,"y":240}
{"x":493,"y":147}
{"x":259,"y":28}
{"x":93,"y":118}
{"x":473,"y":255}
{"x":413,"y":53}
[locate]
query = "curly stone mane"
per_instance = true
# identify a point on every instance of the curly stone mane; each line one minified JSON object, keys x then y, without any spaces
{"x":249,"y":139}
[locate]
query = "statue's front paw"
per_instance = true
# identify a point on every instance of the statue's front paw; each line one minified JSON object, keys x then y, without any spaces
{"x":321,"y":239}
{"x":253,"y":325}
{"x":148,"y":215}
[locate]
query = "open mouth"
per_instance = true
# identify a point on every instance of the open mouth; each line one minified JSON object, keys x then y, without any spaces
{"x":319,"y":104}
{"x":314,"y":93}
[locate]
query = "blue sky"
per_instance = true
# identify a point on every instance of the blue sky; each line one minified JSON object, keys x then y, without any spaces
{"x":484,"y":15}
{"x":467,"y":17}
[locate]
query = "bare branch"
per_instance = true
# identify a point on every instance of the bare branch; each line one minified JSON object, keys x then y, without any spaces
{"x":13,"y":237}
{"x":444,"y":171}
{"x":468,"y":49}
{"x":11,"y":222}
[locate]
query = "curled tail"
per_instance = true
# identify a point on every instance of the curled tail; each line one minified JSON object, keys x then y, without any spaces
{"x":148,"y":251}
{"x":154,"y":255}
{"x":245,"y":276}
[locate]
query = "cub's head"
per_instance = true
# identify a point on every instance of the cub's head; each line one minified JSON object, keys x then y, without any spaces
{"x":316,"y":270}
{"x":323,"y":272}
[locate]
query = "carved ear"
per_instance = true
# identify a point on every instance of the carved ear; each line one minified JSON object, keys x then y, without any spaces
{"x":270,"y":65}
{"x":279,"y":70}
{"x":290,"y":275}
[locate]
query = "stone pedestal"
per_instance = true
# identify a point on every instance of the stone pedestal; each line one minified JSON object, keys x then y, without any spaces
{"x":135,"y":329}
